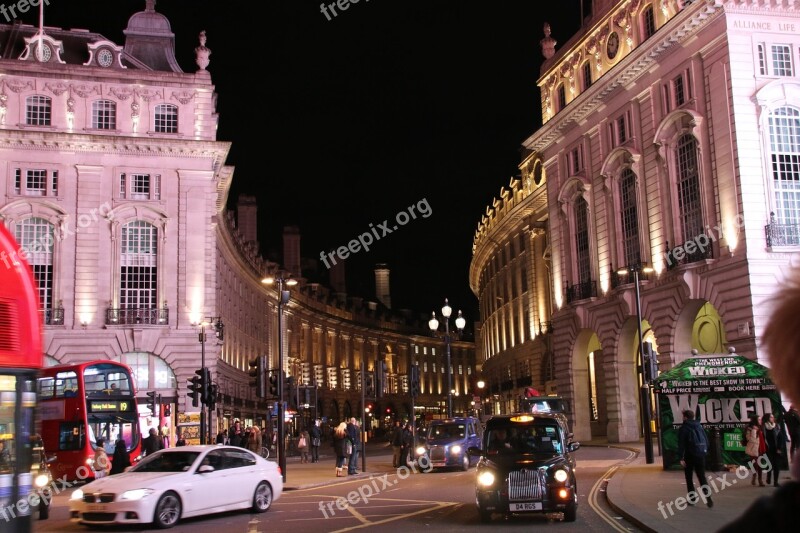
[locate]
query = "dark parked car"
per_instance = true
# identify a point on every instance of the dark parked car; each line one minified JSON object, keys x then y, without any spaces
{"x":445,"y":443}
{"x":526,"y":466}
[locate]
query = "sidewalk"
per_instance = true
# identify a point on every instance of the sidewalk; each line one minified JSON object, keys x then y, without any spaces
{"x":634,"y":490}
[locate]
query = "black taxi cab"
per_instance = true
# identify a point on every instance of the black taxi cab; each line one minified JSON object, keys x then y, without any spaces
{"x":526,"y":466}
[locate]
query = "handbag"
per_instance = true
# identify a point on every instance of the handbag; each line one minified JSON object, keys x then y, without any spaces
{"x":315,"y":441}
{"x":302,"y":442}
{"x":349,"y":448}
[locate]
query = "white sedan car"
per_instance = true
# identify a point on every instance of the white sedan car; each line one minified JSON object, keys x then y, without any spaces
{"x":179,"y":483}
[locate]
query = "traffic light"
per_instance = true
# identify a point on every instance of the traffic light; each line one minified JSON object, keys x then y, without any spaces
{"x":195,"y":390}
{"x":219,"y":329}
{"x":151,"y":401}
{"x":212,"y":397}
{"x":414,"y":379}
{"x":649,"y":362}
{"x":369,"y":385}
{"x":258,"y":373}
{"x":274,"y":376}
{"x":205,"y":382}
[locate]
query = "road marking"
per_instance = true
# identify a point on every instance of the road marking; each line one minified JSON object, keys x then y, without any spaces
{"x":358,"y":515}
{"x":596,"y":489}
{"x":439,"y":505}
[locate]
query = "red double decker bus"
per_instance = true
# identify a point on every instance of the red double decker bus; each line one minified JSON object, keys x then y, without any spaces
{"x":80,"y":403}
{"x":20,"y":359}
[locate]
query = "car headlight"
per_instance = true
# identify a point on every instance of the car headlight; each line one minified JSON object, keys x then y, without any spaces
{"x":77,"y":494}
{"x":135,"y":494}
{"x":42,"y":480}
{"x":486,"y":478}
{"x":561,"y":475}
{"x":455,"y":449}
{"x":421,"y":450}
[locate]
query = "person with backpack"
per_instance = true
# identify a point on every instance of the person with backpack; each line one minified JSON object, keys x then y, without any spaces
{"x":692,"y":450}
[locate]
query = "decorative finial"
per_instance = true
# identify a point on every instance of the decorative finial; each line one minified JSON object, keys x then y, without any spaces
{"x":548,"y":44}
{"x":150,"y":5}
{"x":201,"y":52}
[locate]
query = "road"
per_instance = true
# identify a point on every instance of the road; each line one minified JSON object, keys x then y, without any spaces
{"x":437,"y":502}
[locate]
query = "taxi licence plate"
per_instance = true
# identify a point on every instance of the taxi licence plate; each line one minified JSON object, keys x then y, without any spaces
{"x":525,"y":506}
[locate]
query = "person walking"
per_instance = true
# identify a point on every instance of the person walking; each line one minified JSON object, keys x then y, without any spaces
{"x":101,"y":464}
{"x":755,"y":447}
{"x":692,"y":450}
{"x":303,"y":445}
{"x":792,"y":419}
{"x":354,"y":434}
{"x":340,"y":447}
{"x":222,"y":437}
{"x":316,"y":438}
{"x":236,"y":434}
{"x":397,"y":444}
{"x":120,"y":460}
{"x":407,"y":451}
{"x":775,"y":441}
{"x":152,"y":443}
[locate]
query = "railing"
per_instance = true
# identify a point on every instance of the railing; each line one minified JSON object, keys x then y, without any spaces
{"x":138,"y":315}
{"x":781,"y":234}
{"x":617,"y":279}
{"x":581,"y":291}
{"x":697,"y":254}
{"x":53,"y":316}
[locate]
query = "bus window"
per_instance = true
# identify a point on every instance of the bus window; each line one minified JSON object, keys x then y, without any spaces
{"x":71,"y":436}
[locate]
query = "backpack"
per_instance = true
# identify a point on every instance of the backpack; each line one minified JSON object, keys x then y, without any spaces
{"x":697,"y":443}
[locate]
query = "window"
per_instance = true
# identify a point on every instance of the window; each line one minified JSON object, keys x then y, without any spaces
{"x":54,"y":183}
{"x":762,"y":60}
{"x":562,"y":97}
{"x":619,"y":131}
{"x":36,"y":182}
{"x":677,"y":92}
{"x":122,"y":186}
{"x":576,"y":160}
{"x":36,"y":236}
{"x":630,"y":218}
{"x":149,"y":371}
{"x":37,"y":111}
{"x":582,"y":239}
{"x":689,"y":204}
{"x":782,"y":60}
{"x":138,"y":266}
{"x":648,"y":21}
{"x":17,"y":180}
{"x":587,"y":75}
{"x":680,"y":96}
{"x":166,"y":118}
{"x":784,"y":141}
{"x":139,"y":186}
{"x":104,"y":115}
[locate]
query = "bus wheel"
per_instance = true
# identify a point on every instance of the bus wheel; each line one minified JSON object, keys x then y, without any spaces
{"x":168,"y":510}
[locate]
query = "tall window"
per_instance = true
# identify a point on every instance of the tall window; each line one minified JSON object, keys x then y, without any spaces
{"x":784,"y":141}
{"x":562,"y":97}
{"x":648,"y":21}
{"x":166,"y":118}
{"x":587,"y":75}
{"x":782,"y":60}
{"x":36,"y":236}
{"x":138,"y":266}
{"x":36,"y":182}
{"x":689,"y":204}
{"x":37,"y":111}
{"x":582,"y":240}
{"x":762,"y":60}
{"x":630,"y":217}
{"x":104,"y":115}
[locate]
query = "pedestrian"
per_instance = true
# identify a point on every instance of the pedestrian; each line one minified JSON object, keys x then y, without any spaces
{"x":236,"y":434}
{"x":303,"y":445}
{"x":775,"y":441}
{"x":692,"y":450}
{"x":316,"y":439}
{"x":407,"y":450}
{"x":101,"y":465}
{"x":152,"y":443}
{"x":340,"y":442}
{"x":181,"y":441}
{"x":792,"y":419}
{"x":254,"y":440}
{"x":397,"y":443}
{"x":777,"y":513}
{"x":755,"y":448}
{"x":354,"y":434}
{"x":222,"y":437}
{"x":121,"y":459}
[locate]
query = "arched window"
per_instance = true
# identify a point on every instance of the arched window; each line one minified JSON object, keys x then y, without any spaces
{"x":104,"y":115}
{"x":630,"y":218}
{"x":689,"y":202}
{"x":138,"y":285}
{"x":36,"y":236}
{"x":648,"y":22}
{"x":149,"y":371}
{"x":38,"y":110}
{"x":784,"y":144}
{"x":166,"y":118}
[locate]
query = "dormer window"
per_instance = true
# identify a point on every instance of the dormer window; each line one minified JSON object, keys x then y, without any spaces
{"x":38,"y":111}
{"x":166,"y":120}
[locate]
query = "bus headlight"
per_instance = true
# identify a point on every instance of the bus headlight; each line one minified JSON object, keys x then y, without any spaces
{"x":486,"y":478}
{"x":560,"y":475}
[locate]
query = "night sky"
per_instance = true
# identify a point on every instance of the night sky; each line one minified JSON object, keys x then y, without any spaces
{"x":392,"y":103}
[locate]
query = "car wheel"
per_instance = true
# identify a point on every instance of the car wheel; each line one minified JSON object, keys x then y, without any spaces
{"x":168,"y":511}
{"x":262,"y":499}
{"x":571,"y":512}
{"x":486,"y":516}
{"x":44,"y":511}
{"x":465,"y":463}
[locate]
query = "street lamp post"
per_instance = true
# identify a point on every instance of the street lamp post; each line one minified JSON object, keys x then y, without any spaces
{"x":644,"y":399}
{"x":433,"y":324}
{"x":481,"y":385}
{"x":283,"y":299}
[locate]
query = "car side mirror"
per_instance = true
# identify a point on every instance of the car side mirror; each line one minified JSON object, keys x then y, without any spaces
{"x":474,"y":451}
{"x":205,"y":468}
{"x":573,"y":446}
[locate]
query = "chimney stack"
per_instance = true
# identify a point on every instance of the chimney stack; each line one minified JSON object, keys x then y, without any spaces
{"x":291,"y":250}
{"x":247,"y":218}
{"x":382,"y":290}
{"x":337,"y":278}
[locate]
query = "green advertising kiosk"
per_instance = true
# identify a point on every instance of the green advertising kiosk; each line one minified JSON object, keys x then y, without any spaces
{"x":724,"y":391}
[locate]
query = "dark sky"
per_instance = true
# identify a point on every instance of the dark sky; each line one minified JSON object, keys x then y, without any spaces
{"x":392,"y":103}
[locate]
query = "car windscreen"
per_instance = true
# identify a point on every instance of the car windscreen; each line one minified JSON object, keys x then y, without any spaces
{"x":524,"y":439}
{"x":447,"y":431}
{"x":166,"y":462}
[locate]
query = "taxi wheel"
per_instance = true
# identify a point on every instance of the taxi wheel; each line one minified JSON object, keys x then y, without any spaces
{"x":571,"y":512}
{"x":262,"y":499}
{"x":168,"y":511}
{"x":465,"y":463}
{"x":44,"y":511}
{"x":486,"y":516}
